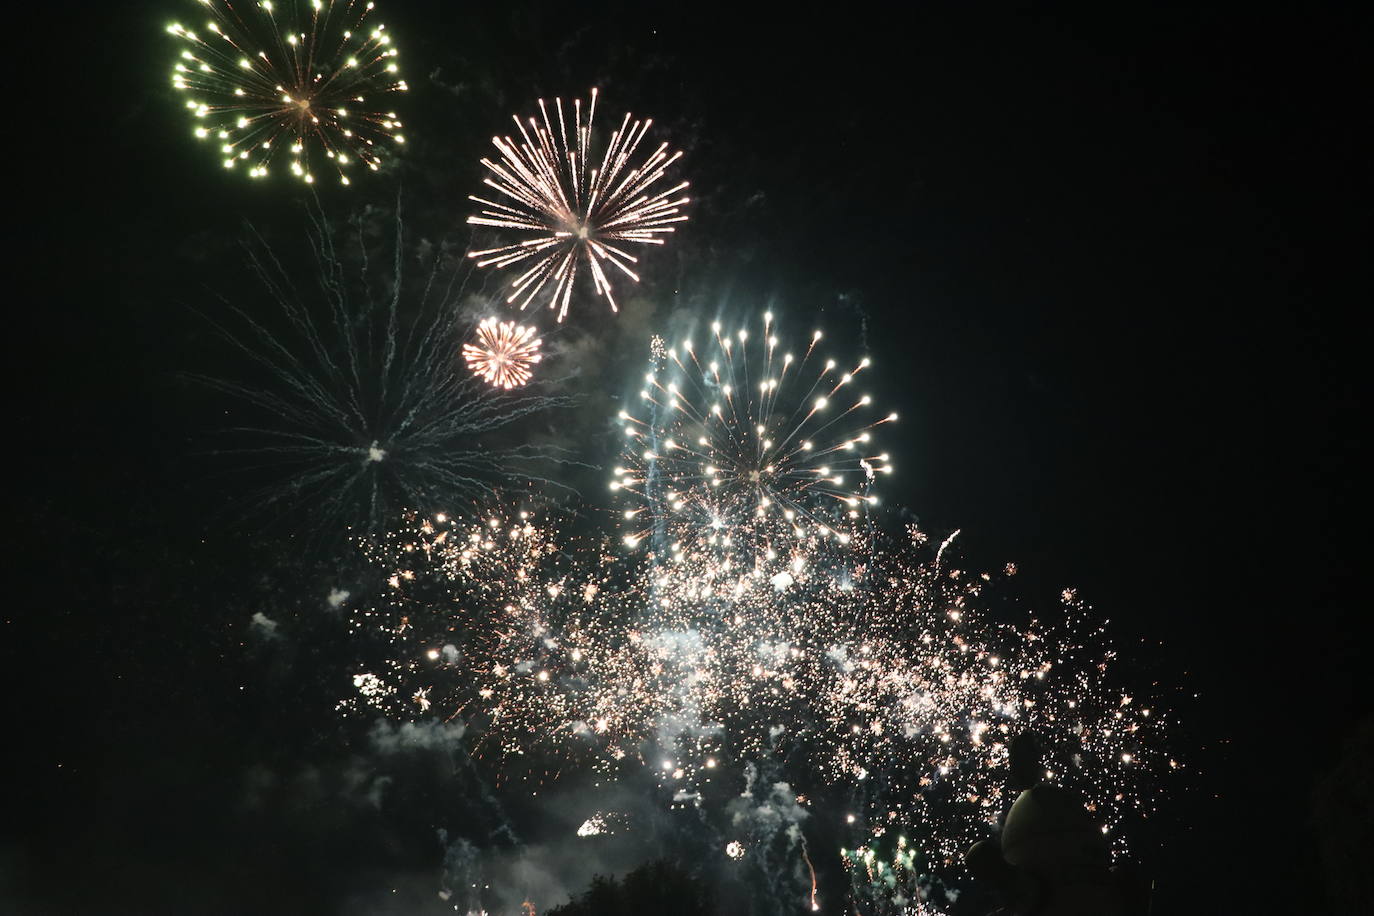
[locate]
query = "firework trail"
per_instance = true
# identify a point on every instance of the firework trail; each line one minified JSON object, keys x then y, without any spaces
{"x":811,"y":871}
{"x":504,"y":353}
{"x":354,"y":400}
{"x":577,"y":212}
{"x":303,"y":81}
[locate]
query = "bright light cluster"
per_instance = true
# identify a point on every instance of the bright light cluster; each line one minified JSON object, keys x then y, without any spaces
{"x":504,"y":353}
{"x":464,"y":603}
{"x":770,"y":635}
{"x":305,"y":83}
{"x":576,"y":211}
{"x":481,"y":618}
{"x":876,"y":672}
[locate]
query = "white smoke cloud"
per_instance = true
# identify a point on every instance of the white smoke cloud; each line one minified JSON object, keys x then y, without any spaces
{"x":263,"y":626}
{"x":433,"y":734}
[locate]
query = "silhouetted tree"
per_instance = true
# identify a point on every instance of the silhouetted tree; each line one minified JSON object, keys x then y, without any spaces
{"x":660,"y":888}
{"x":1343,"y":814}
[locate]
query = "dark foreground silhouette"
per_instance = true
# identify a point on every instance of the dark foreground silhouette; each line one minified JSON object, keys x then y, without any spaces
{"x":659,"y":888}
{"x":1343,"y":819}
{"x":1051,"y":858}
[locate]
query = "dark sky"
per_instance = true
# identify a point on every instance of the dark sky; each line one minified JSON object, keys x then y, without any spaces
{"x":1109,"y":265}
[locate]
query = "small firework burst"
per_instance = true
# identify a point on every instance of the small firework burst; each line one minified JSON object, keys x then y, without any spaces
{"x":304,"y":82}
{"x":577,"y":212}
{"x":504,"y":353}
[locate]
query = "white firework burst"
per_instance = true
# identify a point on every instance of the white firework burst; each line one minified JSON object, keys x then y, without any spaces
{"x":745,"y":441}
{"x":577,"y":212}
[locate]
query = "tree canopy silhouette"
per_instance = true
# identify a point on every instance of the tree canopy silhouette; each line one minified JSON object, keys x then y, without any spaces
{"x":658,"y":887}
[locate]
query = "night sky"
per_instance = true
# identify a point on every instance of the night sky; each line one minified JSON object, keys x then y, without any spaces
{"x":1109,"y":269}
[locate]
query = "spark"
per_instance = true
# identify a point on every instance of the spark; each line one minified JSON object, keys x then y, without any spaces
{"x":576,"y":211}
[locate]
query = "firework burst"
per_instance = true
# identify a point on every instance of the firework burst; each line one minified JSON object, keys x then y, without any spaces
{"x":577,"y":212}
{"x":304,"y":82}
{"x":745,"y":444}
{"x":354,"y":407}
{"x":504,"y":353}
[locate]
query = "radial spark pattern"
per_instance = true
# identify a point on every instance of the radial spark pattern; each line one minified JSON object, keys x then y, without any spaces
{"x":302,"y":82}
{"x":577,"y":212}
{"x":504,"y":353}
{"x":743,"y":443}
{"x":349,"y":405}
